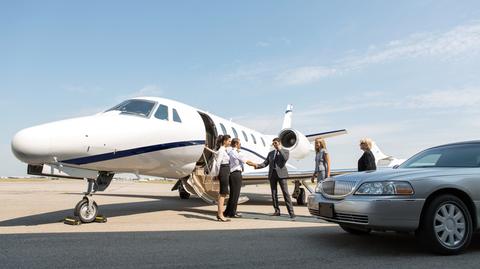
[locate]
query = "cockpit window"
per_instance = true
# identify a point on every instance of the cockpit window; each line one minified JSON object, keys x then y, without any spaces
{"x":135,"y":107}
{"x":162,"y":112}
{"x":176,"y":117}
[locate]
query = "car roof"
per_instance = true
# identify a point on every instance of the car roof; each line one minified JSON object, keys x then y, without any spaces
{"x":475,"y":142}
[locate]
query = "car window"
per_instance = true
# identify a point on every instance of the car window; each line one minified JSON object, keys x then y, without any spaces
{"x":135,"y":107}
{"x":461,"y":155}
{"x":162,"y":112}
{"x":176,"y":117}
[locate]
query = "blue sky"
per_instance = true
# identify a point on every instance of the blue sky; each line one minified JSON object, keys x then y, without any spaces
{"x":405,"y":73}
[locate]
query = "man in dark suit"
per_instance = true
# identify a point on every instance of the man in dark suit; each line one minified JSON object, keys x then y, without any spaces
{"x":277,"y":173}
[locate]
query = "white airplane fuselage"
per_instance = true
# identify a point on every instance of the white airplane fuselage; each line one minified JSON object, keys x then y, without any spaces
{"x":121,"y":142}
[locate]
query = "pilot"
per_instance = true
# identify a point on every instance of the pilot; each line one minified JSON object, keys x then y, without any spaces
{"x":367,"y":161}
{"x":223,"y":159}
{"x":237,"y":162}
{"x":277,"y":174}
{"x":322,"y":161}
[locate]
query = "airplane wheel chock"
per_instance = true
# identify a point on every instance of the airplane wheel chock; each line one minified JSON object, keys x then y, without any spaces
{"x":77,"y":221}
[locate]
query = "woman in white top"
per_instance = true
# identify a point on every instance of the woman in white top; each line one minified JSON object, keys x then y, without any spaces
{"x":223,"y":159}
{"x":237,"y":163}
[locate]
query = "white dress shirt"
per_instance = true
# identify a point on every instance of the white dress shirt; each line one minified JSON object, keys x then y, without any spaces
{"x":237,"y":160}
{"x":223,"y":157}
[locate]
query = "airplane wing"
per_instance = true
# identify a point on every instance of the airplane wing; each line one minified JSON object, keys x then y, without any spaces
{"x":254,"y":177}
{"x":312,"y":137}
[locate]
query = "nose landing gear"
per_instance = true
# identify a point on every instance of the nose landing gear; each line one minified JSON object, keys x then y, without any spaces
{"x":87,"y":210}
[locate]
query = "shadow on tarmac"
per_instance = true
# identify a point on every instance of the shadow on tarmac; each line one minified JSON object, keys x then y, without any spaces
{"x":158,"y":203}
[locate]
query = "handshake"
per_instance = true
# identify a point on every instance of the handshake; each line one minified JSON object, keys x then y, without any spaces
{"x":252,"y":164}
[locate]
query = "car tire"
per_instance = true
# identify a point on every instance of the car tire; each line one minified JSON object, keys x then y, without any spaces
{"x":446,"y":226}
{"x":355,"y":230}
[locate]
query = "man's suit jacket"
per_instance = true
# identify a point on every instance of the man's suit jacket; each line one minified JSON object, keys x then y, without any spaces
{"x":280,"y":166}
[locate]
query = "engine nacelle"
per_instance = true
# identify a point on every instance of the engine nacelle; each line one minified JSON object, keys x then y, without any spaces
{"x":296,"y":142}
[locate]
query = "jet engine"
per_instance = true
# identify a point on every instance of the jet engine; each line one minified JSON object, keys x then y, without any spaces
{"x":296,"y":142}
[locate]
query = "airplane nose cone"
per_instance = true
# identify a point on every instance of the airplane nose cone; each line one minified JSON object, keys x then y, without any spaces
{"x":32,"y":145}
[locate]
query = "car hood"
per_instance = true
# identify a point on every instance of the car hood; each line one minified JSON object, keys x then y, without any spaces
{"x":400,"y":174}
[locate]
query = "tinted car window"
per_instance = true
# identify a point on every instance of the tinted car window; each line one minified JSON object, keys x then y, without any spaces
{"x":464,"y":155}
{"x":135,"y":106}
{"x":162,"y":112}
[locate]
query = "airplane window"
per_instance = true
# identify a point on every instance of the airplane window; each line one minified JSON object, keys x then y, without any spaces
{"x":223,"y":129}
{"x":162,"y":112}
{"x":235,"y":132}
{"x":176,"y":117}
{"x":263,"y":141}
{"x":245,"y":135}
{"x":254,"y":139}
{"x":135,"y":107}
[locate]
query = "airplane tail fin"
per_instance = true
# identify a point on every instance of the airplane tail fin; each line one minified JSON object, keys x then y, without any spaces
{"x":287,"y":120}
{"x":384,"y":160}
{"x":379,"y":155}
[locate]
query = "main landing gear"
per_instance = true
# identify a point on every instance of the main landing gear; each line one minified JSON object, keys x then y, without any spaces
{"x":87,"y":209}
{"x":299,"y":193}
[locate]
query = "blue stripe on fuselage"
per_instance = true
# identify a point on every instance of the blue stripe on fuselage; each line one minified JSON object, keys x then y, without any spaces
{"x":251,"y":151}
{"x":132,"y":152}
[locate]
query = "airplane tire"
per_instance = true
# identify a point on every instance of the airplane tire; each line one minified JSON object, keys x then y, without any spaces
{"x":184,"y":194}
{"x":301,"y":198}
{"x":85,"y":214}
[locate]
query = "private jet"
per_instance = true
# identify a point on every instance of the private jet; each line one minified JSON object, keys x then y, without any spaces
{"x":155,"y":137}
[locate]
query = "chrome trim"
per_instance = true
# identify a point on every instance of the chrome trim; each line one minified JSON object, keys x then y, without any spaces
{"x":343,"y":187}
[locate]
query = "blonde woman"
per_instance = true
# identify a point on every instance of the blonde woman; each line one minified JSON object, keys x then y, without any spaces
{"x":322,"y":161}
{"x":367,"y":161}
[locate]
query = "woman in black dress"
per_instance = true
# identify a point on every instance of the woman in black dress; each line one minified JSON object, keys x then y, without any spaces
{"x":223,"y":159}
{"x":367,"y":161}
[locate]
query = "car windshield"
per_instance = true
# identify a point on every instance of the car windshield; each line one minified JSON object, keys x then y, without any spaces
{"x":135,"y":106}
{"x":461,"y":155}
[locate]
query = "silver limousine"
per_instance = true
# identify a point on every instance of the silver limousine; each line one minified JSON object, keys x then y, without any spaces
{"x":435,"y":193}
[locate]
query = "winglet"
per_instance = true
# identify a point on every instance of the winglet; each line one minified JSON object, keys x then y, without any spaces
{"x":287,"y":120}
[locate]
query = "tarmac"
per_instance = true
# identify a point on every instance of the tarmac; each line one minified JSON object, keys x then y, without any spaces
{"x":151,"y":227}
{"x":40,"y":207}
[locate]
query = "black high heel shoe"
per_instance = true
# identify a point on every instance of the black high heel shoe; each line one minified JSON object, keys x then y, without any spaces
{"x":222,"y":220}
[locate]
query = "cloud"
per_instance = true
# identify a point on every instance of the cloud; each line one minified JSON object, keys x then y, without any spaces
{"x":461,"y":40}
{"x":263,"y":44}
{"x":305,"y":74}
{"x":463,"y":98}
{"x":82,"y":89}
{"x":148,"y":90}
